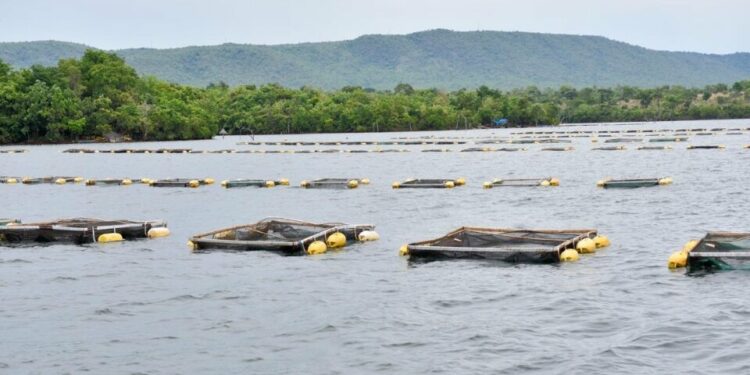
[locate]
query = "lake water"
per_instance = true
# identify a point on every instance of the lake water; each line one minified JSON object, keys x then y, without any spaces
{"x":154,"y":307}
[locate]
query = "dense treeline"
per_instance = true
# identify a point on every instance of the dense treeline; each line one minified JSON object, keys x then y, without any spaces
{"x":99,"y":95}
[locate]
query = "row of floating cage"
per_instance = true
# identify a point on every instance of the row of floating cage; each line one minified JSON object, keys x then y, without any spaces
{"x":715,"y":251}
{"x":328,"y":183}
{"x":383,"y":151}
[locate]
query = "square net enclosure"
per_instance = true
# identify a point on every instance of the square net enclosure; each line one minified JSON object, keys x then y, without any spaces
{"x":509,"y":245}
{"x":721,"y":251}
{"x":287,"y":236}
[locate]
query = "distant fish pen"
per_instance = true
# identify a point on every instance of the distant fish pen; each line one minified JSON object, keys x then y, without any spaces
{"x":50,"y":180}
{"x":433,"y":183}
{"x":181,"y":182}
{"x":633,"y":183}
{"x":109,"y":182}
{"x":81,"y":230}
{"x":654,"y":148}
{"x":285,"y":236}
{"x":12,"y":151}
{"x":509,"y":245}
{"x":240,"y":183}
{"x":521,"y":182}
{"x":334,"y":183}
{"x":610,"y":148}
{"x":669,"y":139}
{"x":707,"y":147}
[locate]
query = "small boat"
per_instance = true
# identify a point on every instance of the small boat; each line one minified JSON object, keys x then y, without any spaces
{"x":286,"y":236}
{"x":79,"y":230}
{"x":509,"y":245}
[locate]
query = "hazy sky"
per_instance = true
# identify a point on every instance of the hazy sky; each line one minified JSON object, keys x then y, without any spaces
{"x":716,"y":26}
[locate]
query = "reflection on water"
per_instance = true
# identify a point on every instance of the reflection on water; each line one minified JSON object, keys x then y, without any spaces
{"x":154,"y":307}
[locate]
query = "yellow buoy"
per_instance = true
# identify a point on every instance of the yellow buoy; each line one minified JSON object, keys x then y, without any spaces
{"x":305,"y":184}
{"x":146,"y":181}
{"x":11,"y":181}
{"x":554,"y":182}
{"x":601,"y":183}
{"x":364,"y":181}
{"x":194,"y":183}
{"x":90,"y":182}
{"x":460,"y":181}
{"x":336,"y":240}
{"x":192,"y":246}
{"x":368,"y":235}
{"x":126,"y":181}
{"x":487,"y":185}
{"x":569,"y":255}
{"x":284,"y":182}
{"x":601,"y":241}
{"x":404,"y":250}
{"x":60,"y":181}
{"x":158,"y":232}
{"x":208,"y":181}
{"x":396,"y":185}
{"x":544,"y":183}
{"x":690,"y":246}
{"x":78,"y":180}
{"x":224,"y":183}
{"x":270,"y":184}
{"x":586,"y":246}
{"x":678,"y":259}
{"x":317,"y":247}
{"x":352,"y":184}
{"x":109,"y":237}
{"x":665,"y":181}
{"x":449,"y":184}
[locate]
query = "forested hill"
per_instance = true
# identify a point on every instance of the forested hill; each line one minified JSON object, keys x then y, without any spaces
{"x":439,"y":58}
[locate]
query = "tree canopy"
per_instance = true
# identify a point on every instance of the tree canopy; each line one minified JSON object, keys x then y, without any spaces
{"x":100,"y":94}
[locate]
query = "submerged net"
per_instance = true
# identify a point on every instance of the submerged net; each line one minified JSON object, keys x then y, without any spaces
{"x":724,"y":242}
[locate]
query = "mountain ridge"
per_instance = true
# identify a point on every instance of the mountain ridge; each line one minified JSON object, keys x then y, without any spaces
{"x":437,"y":58}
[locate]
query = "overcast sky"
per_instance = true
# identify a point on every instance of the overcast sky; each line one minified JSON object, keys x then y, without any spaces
{"x":715,"y":26}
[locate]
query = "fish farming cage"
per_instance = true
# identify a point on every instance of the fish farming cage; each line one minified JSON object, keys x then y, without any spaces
{"x":79,"y":230}
{"x":286,"y":236}
{"x":521,"y":182}
{"x":509,"y":245}
{"x":654,"y":148}
{"x":334,"y":183}
{"x":429,"y":183}
{"x":706,"y":147}
{"x":4,"y":221}
{"x":240,"y":183}
{"x":9,"y":180}
{"x":612,"y":148}
{"x":109,"y":182}
{"x":624,"y":140}
{"x":720,"y":251}
{"x":669,"y":139}
{"x":633,"y":183}
{"x":50,"y":180}
{"x":181,"y":182}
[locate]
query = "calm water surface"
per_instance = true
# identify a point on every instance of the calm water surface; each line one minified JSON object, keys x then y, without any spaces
{"x":154,"y":307}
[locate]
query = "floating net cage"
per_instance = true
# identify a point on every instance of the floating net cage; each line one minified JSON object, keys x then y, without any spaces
{"x":109,"y":182}
{"x":79,"y":230}
{"x":558,"y":149}
{"x":610,"y":148}
{"x":4,"y":221}
{"x":429,"y":183}
{"x":521,"y":182}
{"x":721,"y":251}
{"x":181,"y":182}
{"x":706,"y":147}
{"x":509,"y":245}
{"x":669,"y":139}
{"x":240,"y":183}
{"x":286,"y":236}
{"x":50,"y":180}
{"x":334,"y":183}
{"x":634,"y":183}
{"x":624,"y":140}
{"x":654,"y":148}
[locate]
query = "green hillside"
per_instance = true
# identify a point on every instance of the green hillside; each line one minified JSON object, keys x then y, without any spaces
{"x":437,"y":58}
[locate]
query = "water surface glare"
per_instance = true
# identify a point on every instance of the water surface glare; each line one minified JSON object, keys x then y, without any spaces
{"x":154,"y":307}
